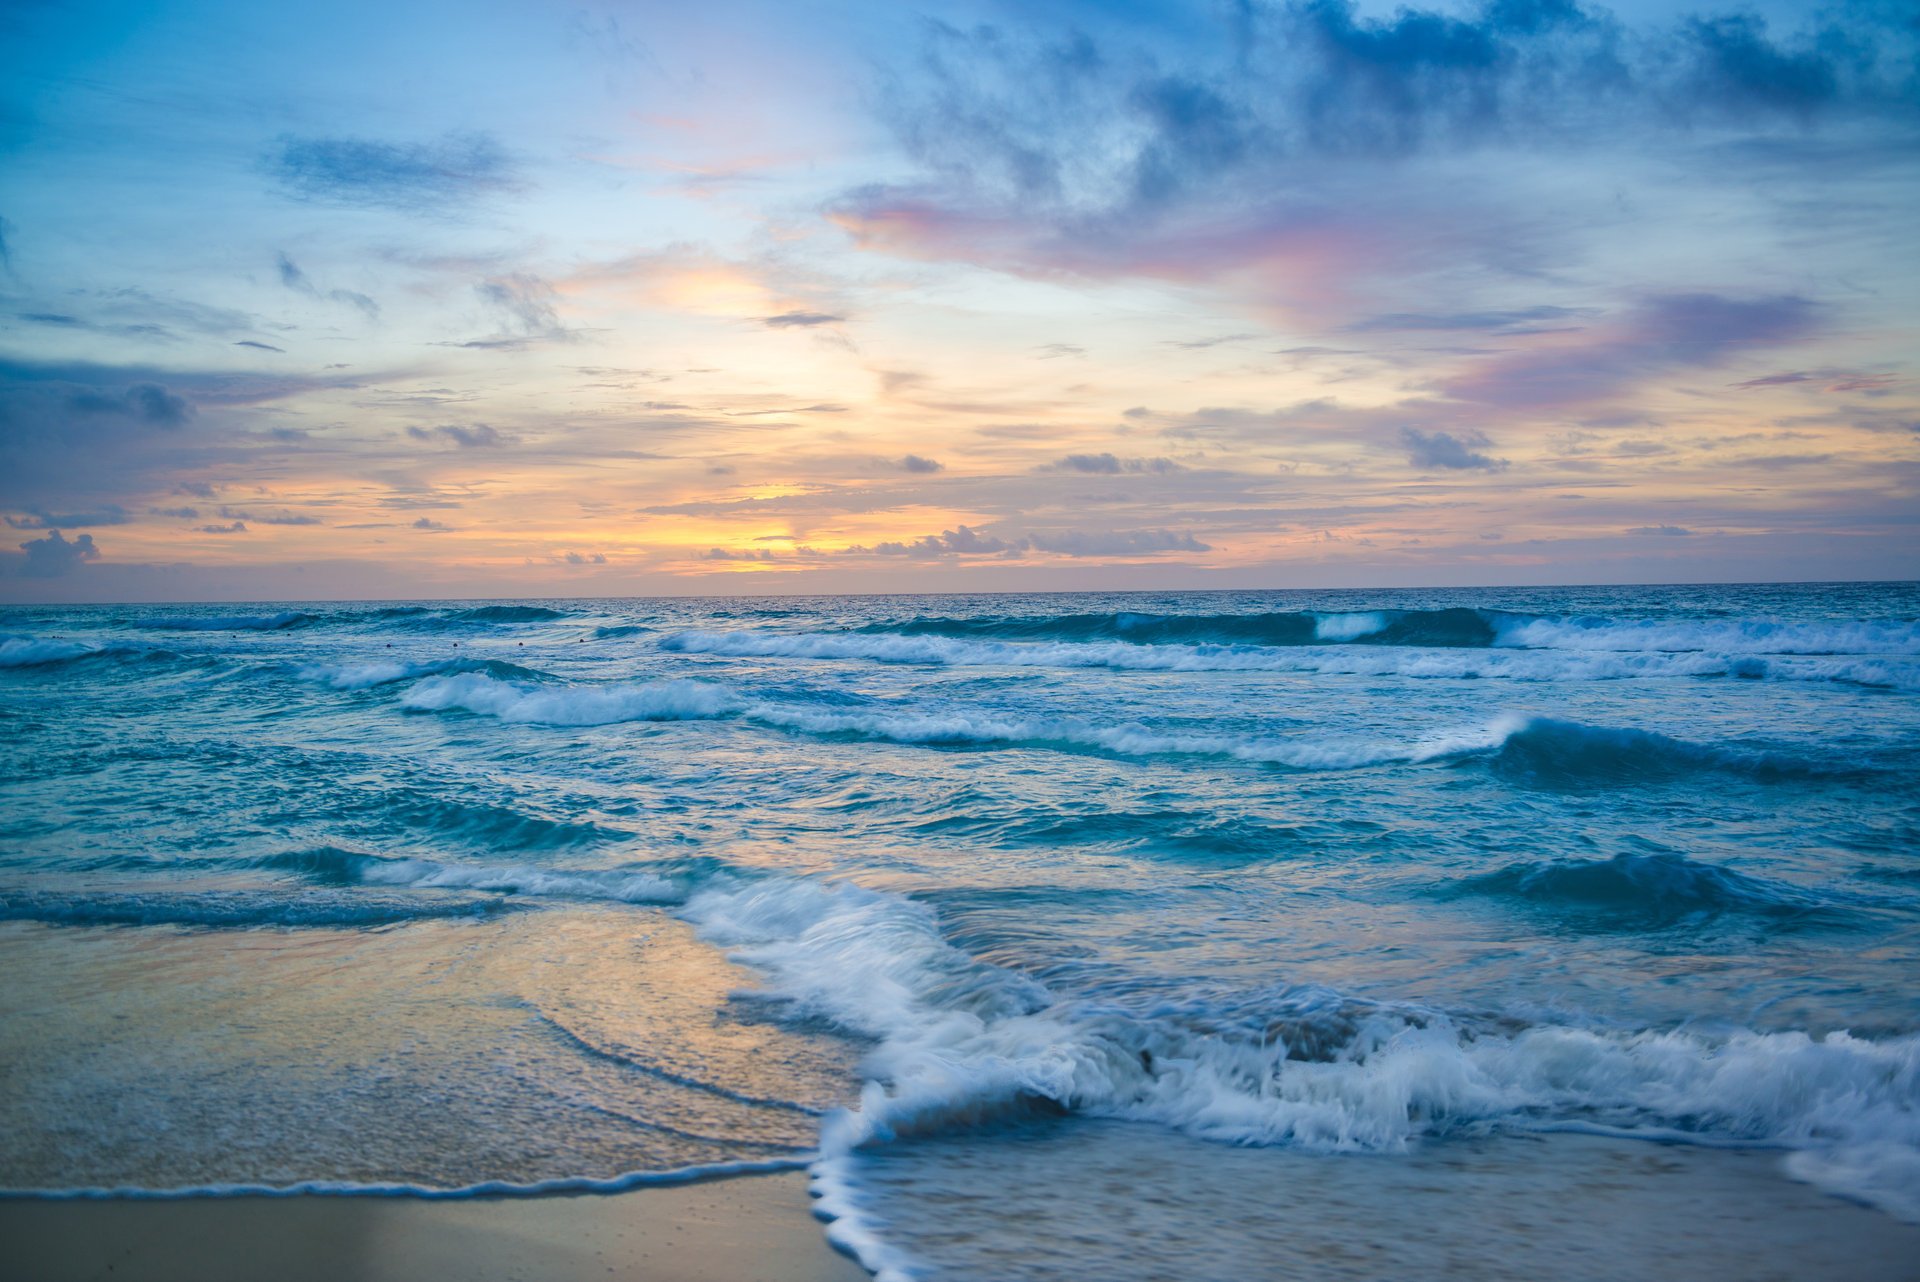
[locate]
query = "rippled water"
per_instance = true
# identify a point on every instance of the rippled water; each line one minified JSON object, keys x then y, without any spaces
{"x":443,"y":895}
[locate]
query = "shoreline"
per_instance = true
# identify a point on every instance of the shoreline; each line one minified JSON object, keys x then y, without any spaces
{"x":740,"y":1228}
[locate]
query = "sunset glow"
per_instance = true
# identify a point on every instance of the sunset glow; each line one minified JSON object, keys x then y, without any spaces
{"x":518,"y":299}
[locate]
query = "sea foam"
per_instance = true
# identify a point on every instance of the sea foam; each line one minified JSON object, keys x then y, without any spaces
{"x":957,"y":1040}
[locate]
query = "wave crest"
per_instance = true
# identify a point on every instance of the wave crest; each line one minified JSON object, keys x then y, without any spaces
{"x":958,"y":1041}
{"x":232,"y":622}
{"x":572,"y":705}
{"x":1659,"y":887}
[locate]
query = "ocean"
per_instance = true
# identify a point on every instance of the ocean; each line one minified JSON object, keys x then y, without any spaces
{"x":1059,"y":935}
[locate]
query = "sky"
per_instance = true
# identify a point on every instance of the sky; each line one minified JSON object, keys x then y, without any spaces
{"x":502,"y":299}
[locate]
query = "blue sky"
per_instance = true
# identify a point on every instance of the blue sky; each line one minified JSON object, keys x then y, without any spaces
{"x":507,"y":299}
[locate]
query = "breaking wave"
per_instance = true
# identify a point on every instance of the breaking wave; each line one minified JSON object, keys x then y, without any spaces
{"x":1538,"y":751}
{"x":1454,"y":663}
{"x":1449,"y":627}
{"x":571,"y":705}
{"x":680,"y":700}
{"x":363,"y":676}
{"x":508,"y":614}
{"x":1734,"y":636}
{"x":959,"y":1041}
{"x":347,"y":867}
{"x":42,"y":652}
{"x":232,"y":622}
{"x":1452,"y":627}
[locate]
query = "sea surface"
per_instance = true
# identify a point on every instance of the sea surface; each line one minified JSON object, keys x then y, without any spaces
{"x":1166,"y":909}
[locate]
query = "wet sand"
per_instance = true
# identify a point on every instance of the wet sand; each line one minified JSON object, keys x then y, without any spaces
{"x":752,"y":1229}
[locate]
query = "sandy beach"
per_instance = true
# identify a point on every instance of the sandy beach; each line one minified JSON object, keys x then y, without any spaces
{"x":754,"y":1229}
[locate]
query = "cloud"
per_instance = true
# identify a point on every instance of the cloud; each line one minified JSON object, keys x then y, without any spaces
{"x":238,"y":527}
{"x":726,"y":554}
{"x":155,"y":404}
{"x":1522,"y":318}
{"x":297,"y":280}
{"x":1831,"y":380}
{"x":54,"y":556}
{"x":148,"y":403}
{"x":281,"y":517}
{"x":473,"y":436}
{"x":1200,"y":344}
{"x":1442,"y":449}
{"x":965,"y":541}
{"x":431,"y":525}
{"x":1111,"y":465}
{"x":915,"y":463}
{"x":6,"y":244}
{"x":800,"y":320}
{"x":265,"y":347}
{"x":179,"y":513}
{"x":1219,"y":139}
{"x":109,"y":514}
{"x":526,"y":299}
{"x":417,"y":177}
{"x":1661,"y":333}
{"x":1662,"y":531}
{"x":1054,"y":351}
{"x":962,"y":541}
{"x":585,"y":558}
{"x":1114,"y":542}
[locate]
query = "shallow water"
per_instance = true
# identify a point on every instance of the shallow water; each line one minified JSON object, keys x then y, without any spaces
{"x":436,"y":895}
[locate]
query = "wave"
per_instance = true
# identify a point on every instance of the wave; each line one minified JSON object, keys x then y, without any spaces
{"x":1550,"y":753}
{"x":232,"y":910}
{"x":680,"y":700}
{"x":1419,"y":664}
{"x":363,"y":676}
{"x":1657,"y":887}
{"x":573,"y":705}
{"x":508,"y":614}
{"x":1456,"y":626}
{"x":1539,"y":751}
{"x":958,"y":1042}
{"x":1453,"y":627}
{"x":964,"y":730}
{"x":1735,"y":636}
{"x":346,"y":867}
{"x":232,"y":622}
{"x":43,"y":652}
{"x":613,"y":632}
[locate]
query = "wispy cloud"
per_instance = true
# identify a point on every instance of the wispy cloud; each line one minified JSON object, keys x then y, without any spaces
{"x":800,"y":320}
{"x":466,"y":436}
{"x":415,"y":177}
{"x":1663,"y":332}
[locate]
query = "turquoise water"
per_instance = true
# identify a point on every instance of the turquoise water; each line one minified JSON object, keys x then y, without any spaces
{"x":430,"y":896}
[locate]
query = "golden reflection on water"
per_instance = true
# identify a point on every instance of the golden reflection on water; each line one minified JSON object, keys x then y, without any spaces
{"x":560,"y":1042}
